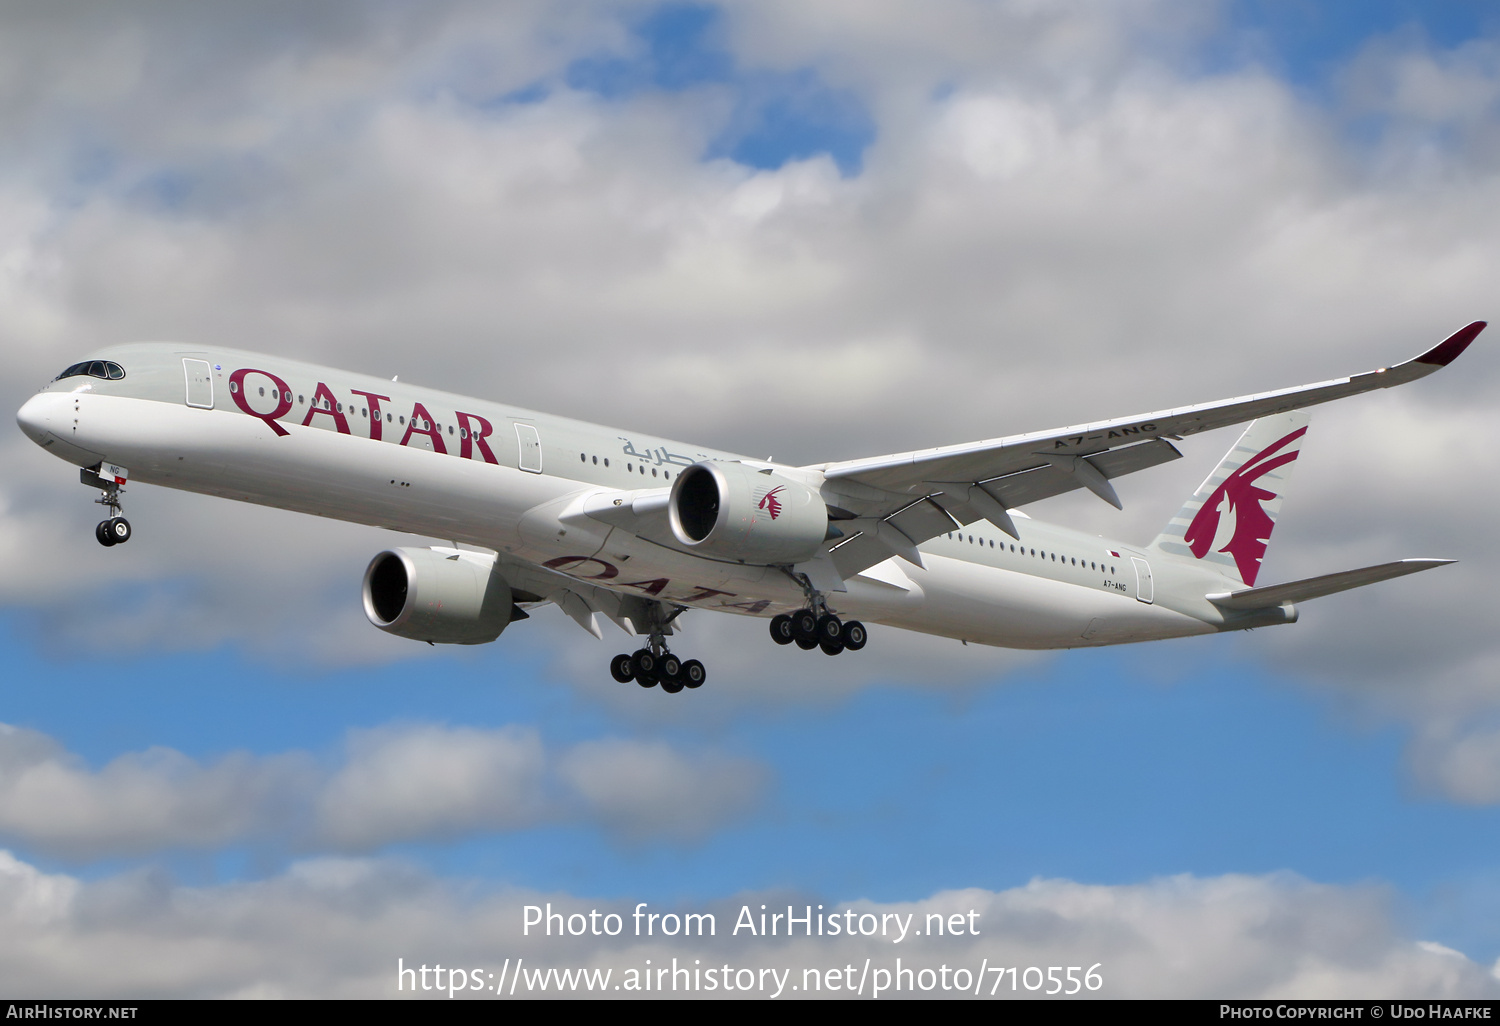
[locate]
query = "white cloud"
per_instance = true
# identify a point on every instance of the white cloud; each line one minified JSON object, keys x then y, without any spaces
{"x":430,"y":781}
{"x":648,"y":790}
{"x":395,"y":784}
{"x":140,"y":801}
{"x":1059,"y":219}
{"x":335,"y":928}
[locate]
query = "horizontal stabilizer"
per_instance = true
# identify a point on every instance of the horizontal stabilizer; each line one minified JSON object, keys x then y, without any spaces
{"x":1317,"y":587}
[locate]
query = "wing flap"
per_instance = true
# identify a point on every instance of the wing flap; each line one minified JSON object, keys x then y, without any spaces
{"x":1317,"y":587}
{"x":862,"y":549}
{"x":1047,"y":479}
{"x":921,"y":520}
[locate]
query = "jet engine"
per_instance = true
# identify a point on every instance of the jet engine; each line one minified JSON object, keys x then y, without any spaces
{"x":436,"y":595}
{"x":731,"y":511}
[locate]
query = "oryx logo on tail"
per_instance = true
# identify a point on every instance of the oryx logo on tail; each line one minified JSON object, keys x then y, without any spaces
{"x":770,"y":503}
{"x":1234,"y":519}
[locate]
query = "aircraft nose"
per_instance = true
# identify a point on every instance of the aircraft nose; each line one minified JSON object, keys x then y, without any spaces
{"x":41,"y":412}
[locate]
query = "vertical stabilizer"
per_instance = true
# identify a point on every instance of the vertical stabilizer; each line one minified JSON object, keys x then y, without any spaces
{"x":1227,"y":523}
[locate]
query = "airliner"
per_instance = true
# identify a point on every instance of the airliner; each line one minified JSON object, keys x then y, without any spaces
{"x":601,"y":522}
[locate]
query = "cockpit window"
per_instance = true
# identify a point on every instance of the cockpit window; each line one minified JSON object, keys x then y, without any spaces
{"x":107,"y":369}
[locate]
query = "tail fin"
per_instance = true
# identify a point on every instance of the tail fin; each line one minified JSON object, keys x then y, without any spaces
{"x":1228,"y":521}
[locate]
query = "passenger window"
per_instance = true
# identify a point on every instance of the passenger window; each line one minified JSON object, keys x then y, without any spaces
{"x":582,"y":458}
{"x":606,"y":461}
{"x":653,"y":471}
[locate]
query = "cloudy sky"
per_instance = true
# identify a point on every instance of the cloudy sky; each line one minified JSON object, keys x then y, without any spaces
{"x":809,"y":231}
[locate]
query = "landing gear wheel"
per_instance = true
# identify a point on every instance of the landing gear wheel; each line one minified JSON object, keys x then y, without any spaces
{"x":693,"y":673}
{"x":831,"y":647}
{"x":854,"y":635}
{"x":620,"y":669}
{"x":643,"y":666}
{"x":804,"y":626}
{"x":119,"y":530}
{"x":781,"y":629}
{"x":669,"y":669}
{"x":807,"y":644}
{"x":102,"y":533}
{"x":830,"y":631}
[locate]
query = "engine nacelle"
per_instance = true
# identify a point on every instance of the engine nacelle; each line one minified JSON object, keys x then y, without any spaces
{"x":442,"y":596}
{"x":731,"y":511}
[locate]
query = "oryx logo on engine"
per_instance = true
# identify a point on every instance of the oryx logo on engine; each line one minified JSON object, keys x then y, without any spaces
{"x":770,"y":503}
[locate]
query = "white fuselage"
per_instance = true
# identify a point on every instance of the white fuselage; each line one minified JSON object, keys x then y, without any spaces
{"x":316,"y":440}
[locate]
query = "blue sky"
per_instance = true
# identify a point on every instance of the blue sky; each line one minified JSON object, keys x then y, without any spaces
{"x":1307,"y":42}
{"x":1092,"y":767}
{"x":776,"y":116}
{"x":918,"y":770}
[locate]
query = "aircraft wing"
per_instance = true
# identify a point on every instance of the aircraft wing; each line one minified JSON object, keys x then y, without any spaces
{"x":896,"y":502}
{"x":534,"y":585}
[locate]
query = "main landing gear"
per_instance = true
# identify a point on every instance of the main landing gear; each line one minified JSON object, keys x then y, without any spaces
{"x":655,"y":665}
{"x":816,"y":626}
{"x":808,"y":630}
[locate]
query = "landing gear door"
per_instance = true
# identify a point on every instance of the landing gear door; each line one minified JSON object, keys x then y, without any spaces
{"x":531,"y":448}
{"x":1144,"y":591}
{"x":200,"y":383}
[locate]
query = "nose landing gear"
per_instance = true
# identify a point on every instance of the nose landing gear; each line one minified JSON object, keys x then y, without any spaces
{"x":115,"y":530}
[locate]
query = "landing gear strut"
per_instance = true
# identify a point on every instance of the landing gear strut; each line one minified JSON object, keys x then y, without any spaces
{"x":817,"y":626}
{"x":115,"y":530}
{"x":655,"y":664}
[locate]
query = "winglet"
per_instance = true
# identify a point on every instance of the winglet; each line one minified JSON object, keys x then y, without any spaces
{"x":1448,"y":350}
